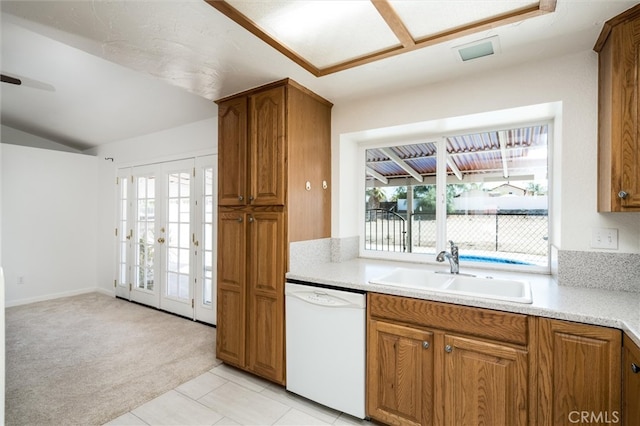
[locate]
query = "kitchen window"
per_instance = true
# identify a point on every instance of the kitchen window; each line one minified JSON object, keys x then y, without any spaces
{"x":487,"y":191}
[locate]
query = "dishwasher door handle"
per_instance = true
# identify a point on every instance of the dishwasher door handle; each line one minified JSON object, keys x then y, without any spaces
{"x":320,"y":298}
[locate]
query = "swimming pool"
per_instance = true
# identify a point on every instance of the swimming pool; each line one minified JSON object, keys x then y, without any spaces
{"x":491,"y":259}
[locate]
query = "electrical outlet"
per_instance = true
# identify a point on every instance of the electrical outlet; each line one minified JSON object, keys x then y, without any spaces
{"x":604,"y":238}
{"x":20,"y":280}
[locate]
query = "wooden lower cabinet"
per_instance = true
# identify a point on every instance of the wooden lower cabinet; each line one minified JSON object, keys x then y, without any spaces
{"x":579,"y":373}
{"x":484,"y":383}
{"x":231,"y":291}
{"x":251,"y":267}
{"x":418,"y":375}
{"x":401,"y":369}
{"x":630,"y":383}
{"x":432,"y":363}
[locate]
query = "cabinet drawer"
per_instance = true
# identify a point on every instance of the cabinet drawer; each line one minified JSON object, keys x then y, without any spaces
{"x":502,"y":326}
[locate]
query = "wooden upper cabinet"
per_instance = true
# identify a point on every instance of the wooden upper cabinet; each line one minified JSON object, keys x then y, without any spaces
{"x":578,"y":371}
{"x":630,"y":383}
{"x":274,"y":145}
{"x":232,"y":152}
{"x":618,"y":50}
{"x":267,"y":149}
{"x":252,"y":149}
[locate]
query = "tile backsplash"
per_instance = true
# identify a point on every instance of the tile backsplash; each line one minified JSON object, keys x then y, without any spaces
{"x":611,"y":271}
{"x":324,"y":250}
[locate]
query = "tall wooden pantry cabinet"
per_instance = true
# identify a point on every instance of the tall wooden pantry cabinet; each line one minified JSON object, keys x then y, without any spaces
{"x":274,"y":171}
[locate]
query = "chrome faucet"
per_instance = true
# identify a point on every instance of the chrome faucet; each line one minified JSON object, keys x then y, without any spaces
{"x":454,"y":261}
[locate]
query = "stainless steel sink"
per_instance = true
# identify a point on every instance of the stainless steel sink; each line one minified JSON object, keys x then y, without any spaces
{"x":486,"y":287}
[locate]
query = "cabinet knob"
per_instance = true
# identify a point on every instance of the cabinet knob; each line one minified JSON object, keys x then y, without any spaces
{"x":250,"y":218}
{"x":635,"y":368}
{"x":239,"y":220}
{"x":425,"y":345}
{"x":623,"y":194}
{"x":251,"y":198}
{"x":448,"y":349}
{"x":240,"y":198}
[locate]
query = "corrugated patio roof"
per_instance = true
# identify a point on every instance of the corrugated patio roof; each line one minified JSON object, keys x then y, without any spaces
{"x":479,"y":153}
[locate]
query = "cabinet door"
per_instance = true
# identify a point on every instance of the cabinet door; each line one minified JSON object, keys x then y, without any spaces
{"x":630,"y":123}
{"x":400,"y":374}
{"x":265,"y":313}
{"x":232,"y":152}
{"x":267,"y":147}
{"x":630,"y":383}
{"x":578,"y":372}
{"x":485,"y":383}
{"x":231,"y":291}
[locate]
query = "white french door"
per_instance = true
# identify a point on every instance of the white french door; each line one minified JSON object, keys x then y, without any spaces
{"x":177,"y":242}
{"x":124,"y":233}
{"x":206,"y":202}
{"x":165,"y":236}
{"x":147,"y":235}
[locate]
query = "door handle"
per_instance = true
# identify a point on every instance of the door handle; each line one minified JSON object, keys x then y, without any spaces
{"x":161,"y":240}
{"x":635,"y":368}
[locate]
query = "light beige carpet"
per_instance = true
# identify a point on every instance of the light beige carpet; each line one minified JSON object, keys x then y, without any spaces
{"x":85,"y":360}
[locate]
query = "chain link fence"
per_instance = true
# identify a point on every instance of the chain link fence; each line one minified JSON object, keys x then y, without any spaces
{"x":516,"y":238}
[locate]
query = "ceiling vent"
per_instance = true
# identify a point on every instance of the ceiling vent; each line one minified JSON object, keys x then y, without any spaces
{"x":477,"y":49}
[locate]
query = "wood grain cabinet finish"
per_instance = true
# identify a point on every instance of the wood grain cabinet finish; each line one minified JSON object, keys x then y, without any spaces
{"x":579,"y":372}
{"x":630,"y":383}
{"x":401,"y":370}
{"x":232,"y":151}
{"x":231,"y":288}
{"x":422,"y":375}
{"x":618,"y":50}
{"x":484,"y":383}
{"x":272,"y":140}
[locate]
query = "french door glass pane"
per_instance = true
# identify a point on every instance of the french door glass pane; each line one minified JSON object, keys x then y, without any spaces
{"x":208,"y":244}
{"x":179,"y":234}
{"x":144,"y":244}
{"x":124,"y":232}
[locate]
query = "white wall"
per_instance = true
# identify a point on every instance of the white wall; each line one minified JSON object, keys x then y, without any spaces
{"x":49,"y":208}
{"x":569,"y":81}
{"x":199,"y":138}
{"x":18,"y":137}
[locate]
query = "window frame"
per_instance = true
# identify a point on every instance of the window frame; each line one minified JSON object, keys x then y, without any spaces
{"x":441,"y":182}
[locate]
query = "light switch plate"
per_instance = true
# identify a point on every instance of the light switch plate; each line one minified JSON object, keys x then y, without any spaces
{"x":604,"y":238}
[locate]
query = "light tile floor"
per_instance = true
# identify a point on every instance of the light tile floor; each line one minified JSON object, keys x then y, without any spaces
{"x":228,"y":396}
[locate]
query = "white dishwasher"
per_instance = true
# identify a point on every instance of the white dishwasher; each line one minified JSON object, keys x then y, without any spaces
{"x":325,"y":332}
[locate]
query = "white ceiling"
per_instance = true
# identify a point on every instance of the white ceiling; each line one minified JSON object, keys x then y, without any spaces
{"x":100,"y":71}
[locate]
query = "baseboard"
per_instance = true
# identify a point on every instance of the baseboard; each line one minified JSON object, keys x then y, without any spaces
{"x":105,"y":292}
{"x":9,"y":304}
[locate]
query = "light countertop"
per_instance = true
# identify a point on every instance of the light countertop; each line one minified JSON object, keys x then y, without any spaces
{"x":618,"y":309}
